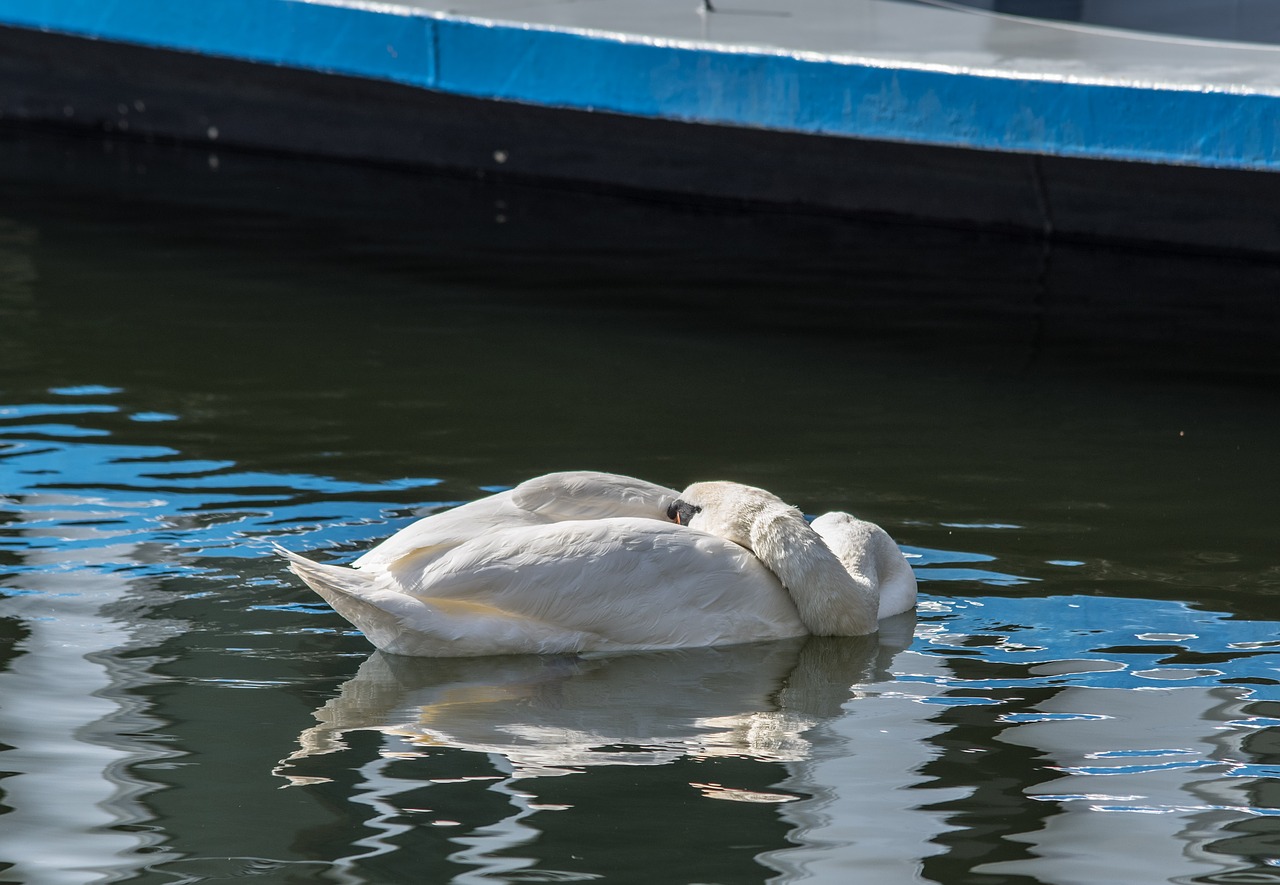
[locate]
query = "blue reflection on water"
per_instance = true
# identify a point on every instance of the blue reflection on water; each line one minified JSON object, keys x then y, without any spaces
{"x":98,"y":494}
{"x":1103,"y":642}
{"x":67,"y":430}
{"x":36,"y":410}
{"x":86,"y":390}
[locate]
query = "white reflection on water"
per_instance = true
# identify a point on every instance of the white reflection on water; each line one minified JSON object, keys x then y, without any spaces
{"x":1155,"y":775}
{"x":91,"y":534}
{"x":554,"y":716}
{"x":540,"y":717}
{"x":864,"y":776}
{"x":68,"y":717}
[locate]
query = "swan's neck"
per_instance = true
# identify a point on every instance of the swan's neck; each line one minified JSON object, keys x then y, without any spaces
{"x":830,"y":600}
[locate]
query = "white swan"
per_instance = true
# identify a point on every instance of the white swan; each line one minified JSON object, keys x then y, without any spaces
{"x":596,"y":562}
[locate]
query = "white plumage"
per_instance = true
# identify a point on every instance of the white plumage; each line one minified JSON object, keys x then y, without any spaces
{"x":591,"y":562}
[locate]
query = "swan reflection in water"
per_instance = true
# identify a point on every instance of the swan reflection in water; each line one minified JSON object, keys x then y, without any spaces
{"x":556,"y":715}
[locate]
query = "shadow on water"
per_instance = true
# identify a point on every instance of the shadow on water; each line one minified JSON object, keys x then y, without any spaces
{"x":200,"y":352}
{"x":373,"y":245}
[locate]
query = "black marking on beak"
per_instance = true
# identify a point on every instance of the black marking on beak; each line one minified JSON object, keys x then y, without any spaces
{"x":680,"y":512}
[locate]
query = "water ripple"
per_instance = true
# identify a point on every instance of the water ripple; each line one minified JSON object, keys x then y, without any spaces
{"x":1102,"y":642}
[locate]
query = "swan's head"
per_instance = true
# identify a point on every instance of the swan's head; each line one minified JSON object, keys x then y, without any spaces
{"x":726,"y":509}
{"x":829,"y":600}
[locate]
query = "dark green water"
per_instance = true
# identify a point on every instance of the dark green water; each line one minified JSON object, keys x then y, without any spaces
{"x":202,"y":353}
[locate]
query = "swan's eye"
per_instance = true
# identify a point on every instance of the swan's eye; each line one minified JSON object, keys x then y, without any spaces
{"x":682,"y":511}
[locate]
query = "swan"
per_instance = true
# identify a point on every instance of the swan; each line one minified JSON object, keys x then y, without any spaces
{"x":583,"y":562}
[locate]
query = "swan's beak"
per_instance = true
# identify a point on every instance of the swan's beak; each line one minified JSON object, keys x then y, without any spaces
{"x":681,"y":512}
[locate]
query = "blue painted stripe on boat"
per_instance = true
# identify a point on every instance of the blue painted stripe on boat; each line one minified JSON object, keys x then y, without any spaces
{"x":369,"y":42}
{"x":837,"y":96}
{"x":705,"y":83}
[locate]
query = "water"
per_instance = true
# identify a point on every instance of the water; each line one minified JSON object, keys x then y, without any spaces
{"x":203,"y":353}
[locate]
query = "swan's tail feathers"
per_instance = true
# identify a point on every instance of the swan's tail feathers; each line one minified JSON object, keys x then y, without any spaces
{"x":354,"y":595}
{"x":400,"y":623}
{"x":326,"y":579}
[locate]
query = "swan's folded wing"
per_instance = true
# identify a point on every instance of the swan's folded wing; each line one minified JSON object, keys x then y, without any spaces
{"x":584,"y":494}
{"x":432,"y":627}
{"x":410,"y":549}
{"x":632,"y":583}
{"x":545,"y":499}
